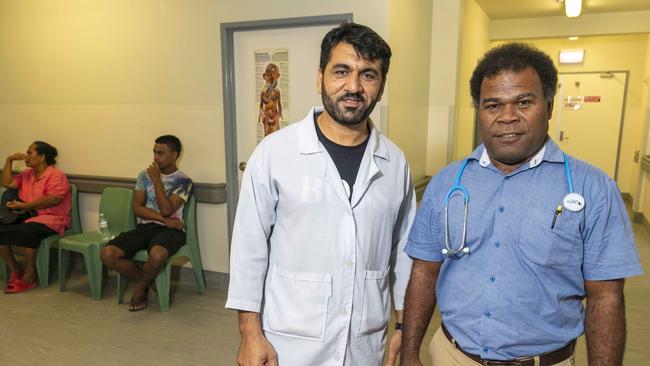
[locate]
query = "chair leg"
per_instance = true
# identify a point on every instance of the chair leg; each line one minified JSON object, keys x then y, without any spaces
{"x":94,"y":267}
{"x":62,"y":269}
{"x":121,"y":284}
{"x":198,"y":272}
{"x":163,"y":285}
{"x":43,"y":264}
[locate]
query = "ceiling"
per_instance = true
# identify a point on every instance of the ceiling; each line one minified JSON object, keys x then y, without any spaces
{"x":507,"y":9}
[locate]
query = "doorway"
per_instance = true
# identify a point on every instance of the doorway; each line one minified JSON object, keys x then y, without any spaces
{"x":263,"y":34}
{"x":588,"y":117}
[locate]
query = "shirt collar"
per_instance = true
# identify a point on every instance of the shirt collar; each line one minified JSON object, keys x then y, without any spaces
{"x":550,"y":152}
{"x":309,"y":143}
{"x":46,"y":173}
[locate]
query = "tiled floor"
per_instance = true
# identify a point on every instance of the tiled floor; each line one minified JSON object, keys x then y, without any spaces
{"x":45,"y":327}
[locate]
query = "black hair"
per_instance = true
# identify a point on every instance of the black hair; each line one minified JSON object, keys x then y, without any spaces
{"x":172,"y":141}
{"x":365,"y":41}
{"x":43,"y":148}
{"x":515,"y":57}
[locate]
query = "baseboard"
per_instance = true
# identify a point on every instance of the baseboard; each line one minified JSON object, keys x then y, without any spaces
{"x":213,"y":279}
{"x":420,"y":185}
{"x":639,"y":218}
{"x":627,"y":198}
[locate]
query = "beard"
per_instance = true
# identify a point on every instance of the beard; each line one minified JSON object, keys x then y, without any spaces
{"x":345,"y":115}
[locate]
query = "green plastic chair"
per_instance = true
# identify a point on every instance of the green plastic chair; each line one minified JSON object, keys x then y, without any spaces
{"x":43,"y":253}
{"x":117,"y":206}
{"x":190,"y":251}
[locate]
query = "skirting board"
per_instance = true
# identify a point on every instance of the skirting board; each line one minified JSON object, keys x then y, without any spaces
{"x":420,"y":185}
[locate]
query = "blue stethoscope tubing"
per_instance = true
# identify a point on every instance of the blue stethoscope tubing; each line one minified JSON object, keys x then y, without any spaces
{"x":459,"y":190}
{"x":449,"y":250}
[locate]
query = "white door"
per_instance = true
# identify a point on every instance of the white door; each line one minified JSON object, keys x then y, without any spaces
{"x":587,"y":117}
{"x":298,"y":77}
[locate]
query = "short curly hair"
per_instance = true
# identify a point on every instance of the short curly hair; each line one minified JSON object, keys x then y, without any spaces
{"x":515,"y":57}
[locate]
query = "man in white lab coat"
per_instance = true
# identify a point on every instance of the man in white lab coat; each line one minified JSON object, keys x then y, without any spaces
{"x":323,"y":216}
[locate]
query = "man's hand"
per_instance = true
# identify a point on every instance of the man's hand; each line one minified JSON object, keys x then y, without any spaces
{"x":394,"y":346}
{"x":174,"y":223}
{"x":256,"y":350}
{"x":17,"y":156}
{"x":15,"y":205}
{"x":154,"y":171}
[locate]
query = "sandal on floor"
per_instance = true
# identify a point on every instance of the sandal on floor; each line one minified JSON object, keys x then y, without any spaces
{"x":18,"y":286}
{"x":139,"y":305}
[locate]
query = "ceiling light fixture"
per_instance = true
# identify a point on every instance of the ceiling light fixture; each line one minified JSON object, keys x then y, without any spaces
{"x":573,"y":38}
{"x":572,"y":8}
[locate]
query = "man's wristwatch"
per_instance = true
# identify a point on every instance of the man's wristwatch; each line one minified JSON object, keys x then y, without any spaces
{"x":398,"y":326}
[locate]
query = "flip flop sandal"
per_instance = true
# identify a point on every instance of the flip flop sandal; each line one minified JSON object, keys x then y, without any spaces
{"x":140,"y":305}
{"x":19,"y":286}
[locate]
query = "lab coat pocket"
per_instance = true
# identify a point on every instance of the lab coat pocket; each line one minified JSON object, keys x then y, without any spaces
{"x":559,"y":246}
{"x":375,"y":308}
{"x":296,"y":304}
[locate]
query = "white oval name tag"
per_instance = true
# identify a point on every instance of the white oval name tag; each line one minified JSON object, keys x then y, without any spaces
{"x":574,"y":202}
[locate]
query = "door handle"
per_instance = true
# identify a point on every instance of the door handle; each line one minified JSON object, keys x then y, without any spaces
{"x":562,"y":137}
{"x":242,"y":165}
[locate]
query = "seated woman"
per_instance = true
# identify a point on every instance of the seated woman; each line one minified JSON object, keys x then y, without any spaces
{"x":43,"y":188}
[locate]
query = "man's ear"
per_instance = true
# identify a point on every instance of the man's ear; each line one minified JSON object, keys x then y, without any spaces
{"x":319,"y":80}
{"x":549,"y":109}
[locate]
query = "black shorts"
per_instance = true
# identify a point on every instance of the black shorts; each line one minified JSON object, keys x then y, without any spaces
{"x":145,"y":236}
{"x":25,"y":234}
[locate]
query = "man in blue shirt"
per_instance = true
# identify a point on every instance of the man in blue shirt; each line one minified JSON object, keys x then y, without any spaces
{"x":543,"y":232}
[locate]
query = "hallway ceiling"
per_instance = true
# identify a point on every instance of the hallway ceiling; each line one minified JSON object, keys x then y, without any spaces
{"x":507,"y":9}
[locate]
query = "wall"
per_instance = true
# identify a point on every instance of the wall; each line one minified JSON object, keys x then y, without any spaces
{"x":620,"y":53}
{"x":101,"y":79}
{"x":410,"y":41}
{"x":473,"y":44}
{"x":644,"y":205}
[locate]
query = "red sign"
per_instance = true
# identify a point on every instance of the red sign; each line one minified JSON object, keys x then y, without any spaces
{"x":592,"y":99}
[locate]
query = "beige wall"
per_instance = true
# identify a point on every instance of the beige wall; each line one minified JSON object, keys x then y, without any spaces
{"x":473,"y":44}
{"x":619,"y":53}
{"x":101,"y":79}
{"x":644,"y":205}
{"x":410,"y":41}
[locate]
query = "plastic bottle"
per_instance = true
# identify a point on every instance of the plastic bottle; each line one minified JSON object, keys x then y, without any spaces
{"x":103,"y":228}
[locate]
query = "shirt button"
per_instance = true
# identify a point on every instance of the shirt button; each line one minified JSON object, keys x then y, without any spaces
{"x":488,"y":314}
{"x":497,"y":244}
{"x":492,"y":279}
{"x":501,"y":209}
{"x":348,"y":262}
{"x":485,"y":349}
{"x":344,"y":312}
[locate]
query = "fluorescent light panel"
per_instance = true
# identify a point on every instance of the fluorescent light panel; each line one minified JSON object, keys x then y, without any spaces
{"x":572,"y":56}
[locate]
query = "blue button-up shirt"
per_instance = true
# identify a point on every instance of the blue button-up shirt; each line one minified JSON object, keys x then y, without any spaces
{"x":518,"y":293}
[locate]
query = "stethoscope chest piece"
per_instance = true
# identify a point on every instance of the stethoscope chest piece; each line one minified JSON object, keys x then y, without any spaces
{"x":574,"y":202}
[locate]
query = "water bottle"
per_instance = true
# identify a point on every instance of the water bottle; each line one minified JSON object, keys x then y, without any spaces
{"x":103,"y":228}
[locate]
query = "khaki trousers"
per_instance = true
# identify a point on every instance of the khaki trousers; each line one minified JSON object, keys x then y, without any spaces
{"x":444,"y":353}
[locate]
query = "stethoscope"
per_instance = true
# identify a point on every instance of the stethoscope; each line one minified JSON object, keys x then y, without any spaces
{"x":572,"y":201}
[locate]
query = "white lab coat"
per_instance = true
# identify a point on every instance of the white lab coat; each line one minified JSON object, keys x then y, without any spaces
{"x":316,"y":265}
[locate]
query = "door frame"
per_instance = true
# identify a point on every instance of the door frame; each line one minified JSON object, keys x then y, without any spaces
{"x":620,"y":128}
{"x":228,"y":85}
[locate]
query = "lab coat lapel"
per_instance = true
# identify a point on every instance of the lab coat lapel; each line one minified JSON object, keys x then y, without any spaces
{"x":368,"y":170}
{"x":309,"y":144}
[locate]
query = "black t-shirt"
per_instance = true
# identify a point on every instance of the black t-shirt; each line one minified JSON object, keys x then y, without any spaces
{"x":346,"y":158}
